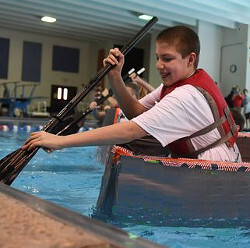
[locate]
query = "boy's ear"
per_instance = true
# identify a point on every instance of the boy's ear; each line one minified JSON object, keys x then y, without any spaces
{"x":192,"y":59}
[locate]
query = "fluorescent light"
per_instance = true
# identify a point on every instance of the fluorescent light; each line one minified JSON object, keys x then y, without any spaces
{"x":59,"y":93}
{"x":65,"y":94}
{"x":131,"y":71}
{"x":48,"y":19}
{"x":145,"y":17}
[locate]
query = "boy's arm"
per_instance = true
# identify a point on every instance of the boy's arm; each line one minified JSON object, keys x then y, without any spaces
{"x":141,"y":82}
{"x":109,"y":135}
{"x":129,"y":105}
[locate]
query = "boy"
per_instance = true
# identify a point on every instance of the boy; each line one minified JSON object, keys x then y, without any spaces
{"x":177,"y":113}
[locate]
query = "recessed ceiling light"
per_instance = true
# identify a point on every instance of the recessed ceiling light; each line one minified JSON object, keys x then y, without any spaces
{"x":145,"y":17}
{"x":48,"y":19}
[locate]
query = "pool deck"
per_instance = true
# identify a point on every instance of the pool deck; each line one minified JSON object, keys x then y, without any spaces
{"x":30,"y":222}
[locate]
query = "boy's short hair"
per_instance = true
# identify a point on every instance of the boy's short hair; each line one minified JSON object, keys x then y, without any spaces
{"x":183,"y":38}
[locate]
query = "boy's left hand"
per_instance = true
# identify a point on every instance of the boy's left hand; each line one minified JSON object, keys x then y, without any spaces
{"x":42,"y":139}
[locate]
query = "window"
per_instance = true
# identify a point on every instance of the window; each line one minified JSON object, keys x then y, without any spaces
{"x":4,"y":57}
{"x":65,"y":59}
{"x":31,"y":66}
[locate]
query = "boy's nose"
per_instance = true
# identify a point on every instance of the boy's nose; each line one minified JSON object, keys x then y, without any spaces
{"x":159,"y":65}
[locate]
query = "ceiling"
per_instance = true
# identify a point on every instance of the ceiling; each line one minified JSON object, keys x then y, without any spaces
{"x":99,"y":20}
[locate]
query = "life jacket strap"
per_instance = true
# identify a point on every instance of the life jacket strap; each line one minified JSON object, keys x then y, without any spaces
{"x":218,"y":142}
{"x":209,"y":128}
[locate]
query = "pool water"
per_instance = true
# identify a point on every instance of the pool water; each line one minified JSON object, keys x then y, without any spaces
{"x":72,"y":177}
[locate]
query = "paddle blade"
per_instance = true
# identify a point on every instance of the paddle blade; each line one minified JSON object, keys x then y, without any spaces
{"x":12,"y":164}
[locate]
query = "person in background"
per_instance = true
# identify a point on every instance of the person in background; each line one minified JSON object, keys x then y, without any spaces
{"x":144,"y":87}
{"x":237,"y":99}
{"x":99,"y":112}
{"x":230,"y":96}
{"x":238,"y":118}
{"x":233,"y":100}
{"x":246,"y":107}
{"x":185,"y":113}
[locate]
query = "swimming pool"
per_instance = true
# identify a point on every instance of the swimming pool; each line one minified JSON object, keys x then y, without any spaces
{"x":72,"y":177}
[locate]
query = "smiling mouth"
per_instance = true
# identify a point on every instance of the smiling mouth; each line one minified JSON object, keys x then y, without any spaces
{"x":165,"y":75}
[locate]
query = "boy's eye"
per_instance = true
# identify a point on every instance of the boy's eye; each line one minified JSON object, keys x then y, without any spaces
{"x":167,"y":59}
{"x":164,"y":59}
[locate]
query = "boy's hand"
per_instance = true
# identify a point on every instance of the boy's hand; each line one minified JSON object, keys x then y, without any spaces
{"x":43,"y":139}
{"x":116,"y":58}
{"x":135,"y":78}
{"x":93,"y":105}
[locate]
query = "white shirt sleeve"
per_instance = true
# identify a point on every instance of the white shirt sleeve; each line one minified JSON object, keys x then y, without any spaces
{"x":150,"y":99}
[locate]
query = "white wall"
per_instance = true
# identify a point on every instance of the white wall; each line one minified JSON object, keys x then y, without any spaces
{"x":210,"y":40}
{"x":154,"y":77}
{"x":234,"y":51}
{"x":221,"y":48}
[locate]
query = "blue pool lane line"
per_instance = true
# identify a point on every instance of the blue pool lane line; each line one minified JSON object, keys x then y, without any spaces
{"x":18,"y":128}
{"x":29,"y":128}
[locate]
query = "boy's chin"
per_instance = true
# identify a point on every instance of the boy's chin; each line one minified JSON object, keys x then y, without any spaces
{"x":168,"y":83}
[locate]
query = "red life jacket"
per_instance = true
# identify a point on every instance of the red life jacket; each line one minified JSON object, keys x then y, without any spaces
{"x":224,"y":121}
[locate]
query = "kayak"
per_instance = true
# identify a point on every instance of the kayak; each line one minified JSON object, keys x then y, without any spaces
{"x":158,"y":190}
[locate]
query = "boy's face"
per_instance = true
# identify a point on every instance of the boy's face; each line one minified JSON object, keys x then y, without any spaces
{"x":170,"y":64}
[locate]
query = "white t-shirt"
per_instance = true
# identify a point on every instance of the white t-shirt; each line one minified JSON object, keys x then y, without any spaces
{"x":179,"y":114}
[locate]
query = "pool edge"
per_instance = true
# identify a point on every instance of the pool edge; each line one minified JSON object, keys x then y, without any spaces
{"x":100,"y":230}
